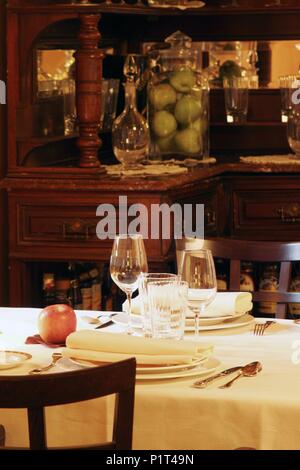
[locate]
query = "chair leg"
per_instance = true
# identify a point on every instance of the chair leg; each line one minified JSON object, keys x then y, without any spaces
{"x":2,"y":436}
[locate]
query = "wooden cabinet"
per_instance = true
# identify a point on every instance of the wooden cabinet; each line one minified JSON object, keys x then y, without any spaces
{"x":52,"y":207}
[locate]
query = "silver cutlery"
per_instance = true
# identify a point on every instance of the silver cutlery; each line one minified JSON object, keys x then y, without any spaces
{"x":224,"y":373}
{"x":39,"y":370}
{"x":98,"y":322}
{"x":104,"y":324}
{"x":260,"y":328}
{"x":249,"y":370}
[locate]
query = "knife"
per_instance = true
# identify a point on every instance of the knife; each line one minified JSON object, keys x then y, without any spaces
{"x":205,"y":382}
{"x":104,"y":324}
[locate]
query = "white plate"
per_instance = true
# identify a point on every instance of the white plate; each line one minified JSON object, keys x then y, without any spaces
{"x":69,"y":363}
{"x":228,"y":322}
{"x":238,"y":322}
{"x":204,"y":368}
{"x":169,"y":367}
{"x":214,"y":320}
{"x":10,"y":359}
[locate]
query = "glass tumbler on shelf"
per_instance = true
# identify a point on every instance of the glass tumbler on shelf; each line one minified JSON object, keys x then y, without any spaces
{"x":127,"y":263}
{"x":109,"y":101}
{"x":289,"y":84}
{"x":293,"y":130}
{"x":236,"y":90}
{"x":130,"y":131}
{"x":198,"y":270}
{"x":178,"y":101}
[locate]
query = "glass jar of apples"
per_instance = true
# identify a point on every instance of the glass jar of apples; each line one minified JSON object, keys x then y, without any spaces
{"x":178,"y":101}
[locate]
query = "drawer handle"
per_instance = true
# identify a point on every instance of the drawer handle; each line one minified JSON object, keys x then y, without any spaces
{"x":290,"y":214}
{"x":76,"y":229}
{"x":210,"y":217}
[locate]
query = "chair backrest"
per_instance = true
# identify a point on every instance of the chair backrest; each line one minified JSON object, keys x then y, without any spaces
{"x":36,"y":392}
{"x":266,"y":251}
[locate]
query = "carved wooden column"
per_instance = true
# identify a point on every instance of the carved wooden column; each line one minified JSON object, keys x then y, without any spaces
{"x":88,"y":80}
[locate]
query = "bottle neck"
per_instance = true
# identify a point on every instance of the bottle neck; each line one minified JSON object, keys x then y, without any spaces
{"x":130,"y":95}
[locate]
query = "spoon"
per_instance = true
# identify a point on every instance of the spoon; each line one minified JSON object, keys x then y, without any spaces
{"x":55,"y":357}
{"x":249,"y":370}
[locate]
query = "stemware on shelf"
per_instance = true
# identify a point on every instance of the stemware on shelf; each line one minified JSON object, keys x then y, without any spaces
{"x":198,"y":270}
{"x":130,"y":131}
{"x":127,"y":263}
{"x":288,"y":85}
{"x":293,"y":130}
{"x":236,"y":99}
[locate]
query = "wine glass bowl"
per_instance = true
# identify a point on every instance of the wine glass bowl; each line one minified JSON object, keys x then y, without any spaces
{"x":198,"y":270}
{"x":127,"y":263}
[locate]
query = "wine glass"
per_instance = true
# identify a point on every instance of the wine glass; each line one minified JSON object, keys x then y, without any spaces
{"x":198,"y":270}
{"x":128,"y":261}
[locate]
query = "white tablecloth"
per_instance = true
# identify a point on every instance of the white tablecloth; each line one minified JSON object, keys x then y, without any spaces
{"x":261,"y":412}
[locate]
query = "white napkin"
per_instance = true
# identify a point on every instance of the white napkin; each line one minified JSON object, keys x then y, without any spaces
{"x":108,"y":347}
{"x":225,"y":304}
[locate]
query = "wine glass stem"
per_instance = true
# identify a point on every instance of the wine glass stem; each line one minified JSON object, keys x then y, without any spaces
{"x":197,"y":316}
{"x":129,"y":326}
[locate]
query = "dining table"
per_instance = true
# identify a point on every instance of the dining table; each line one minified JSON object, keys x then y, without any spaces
{"x":261,"y":412}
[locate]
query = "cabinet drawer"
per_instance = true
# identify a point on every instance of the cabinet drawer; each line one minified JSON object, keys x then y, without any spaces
{"x":267,"y":214}
{"x":40,"y":223}
{"x":65,"y":228}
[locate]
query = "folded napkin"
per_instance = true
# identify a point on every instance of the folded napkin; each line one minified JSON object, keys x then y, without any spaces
{"x":109,"y":347}
{"x":225,"y":304}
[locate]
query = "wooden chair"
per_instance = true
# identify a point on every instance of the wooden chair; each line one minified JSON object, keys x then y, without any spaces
{"x":36,"y":392}
{"x":244,"y":250}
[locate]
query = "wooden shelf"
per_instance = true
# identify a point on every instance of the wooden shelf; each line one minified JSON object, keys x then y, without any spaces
{"x":254,"y":7}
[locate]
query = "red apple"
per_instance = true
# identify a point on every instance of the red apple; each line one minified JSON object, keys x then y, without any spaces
{"x":56,"y":322}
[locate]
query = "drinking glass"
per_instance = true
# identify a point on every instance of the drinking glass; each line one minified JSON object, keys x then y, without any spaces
{"x":236,"y":99}
{"x":198,"y":270}
{"x":293,"y":130}
{"x":128,"y":261}
{"x":168,"y":304}
{"x":288,"y":85}
{"x":145,"y":279}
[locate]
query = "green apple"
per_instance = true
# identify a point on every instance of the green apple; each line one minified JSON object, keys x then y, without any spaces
{"x":188,"y":141}
{"x":166,"y":144}
{"x":199,"y":125}
{"x":163,"y":124}
{"x":187,"y":110}
{"x":161,"y":96}
{"x":183,"y":80}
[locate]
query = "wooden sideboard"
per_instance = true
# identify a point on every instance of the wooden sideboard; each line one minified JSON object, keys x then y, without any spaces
{"x":52,"y":209}
{"x":55,"y":220}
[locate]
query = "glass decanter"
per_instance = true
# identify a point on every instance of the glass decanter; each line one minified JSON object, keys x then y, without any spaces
{"x":130,"y":131}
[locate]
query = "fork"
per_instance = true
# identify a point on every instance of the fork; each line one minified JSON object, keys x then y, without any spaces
{"x":260,"y":328}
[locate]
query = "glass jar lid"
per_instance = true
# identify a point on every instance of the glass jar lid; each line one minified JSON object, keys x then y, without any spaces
{"x":178,"y":53}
